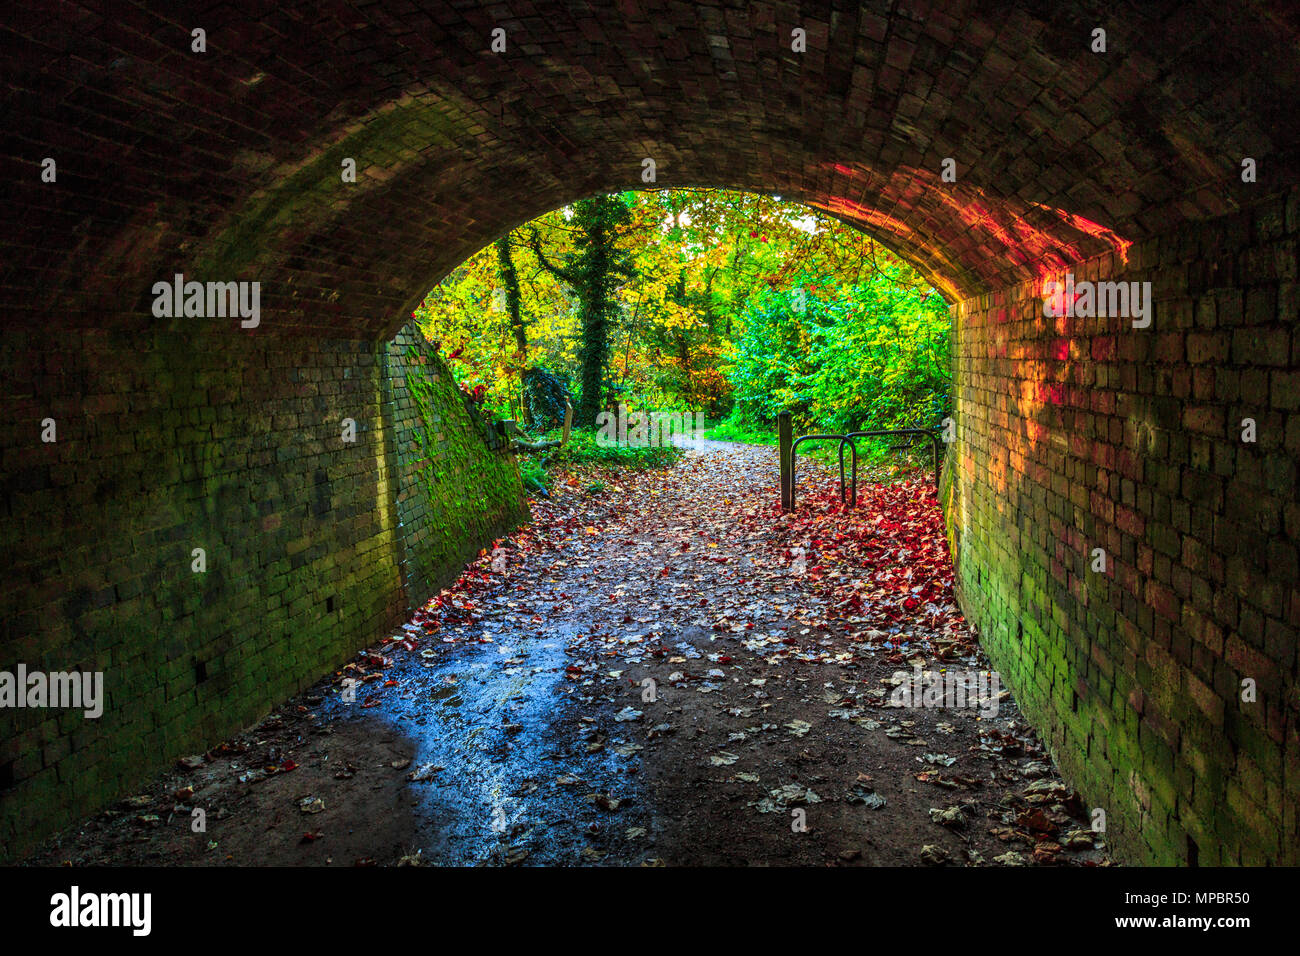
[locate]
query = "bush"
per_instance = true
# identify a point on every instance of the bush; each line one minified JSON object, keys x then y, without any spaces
{"x":872,"y":355}
{"x":584,"y":449}
{"x":534,"y":475}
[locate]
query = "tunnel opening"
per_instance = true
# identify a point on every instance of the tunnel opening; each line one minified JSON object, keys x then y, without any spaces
{"x":1001,"y":149}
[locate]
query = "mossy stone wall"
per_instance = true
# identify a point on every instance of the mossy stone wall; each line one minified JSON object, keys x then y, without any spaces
{"x":233,"y":443}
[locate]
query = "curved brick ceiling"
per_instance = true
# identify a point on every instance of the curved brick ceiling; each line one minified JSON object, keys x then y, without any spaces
{"x":225,"y":165}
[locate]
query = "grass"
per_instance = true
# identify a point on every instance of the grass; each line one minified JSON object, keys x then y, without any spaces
{"x":583,"y":452}
{"x":583,"y":449}
{"x":876,"y":462}
{"x":746,"y":434}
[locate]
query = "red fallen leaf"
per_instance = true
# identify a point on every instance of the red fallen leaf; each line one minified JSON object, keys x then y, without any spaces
{"x":390,"y":683}
{"x":310,"y":837}
{"x":1036,"y":820}
{"x":664,"y":573}
{"x":288,"y":765}
{"x":724,"y":659}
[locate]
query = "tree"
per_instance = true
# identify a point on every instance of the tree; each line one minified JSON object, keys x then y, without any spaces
{"x":510,"y":283}
{"x":733,"y":303}
{"x":594,"y":271}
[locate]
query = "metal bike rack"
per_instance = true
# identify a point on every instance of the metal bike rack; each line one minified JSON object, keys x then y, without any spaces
{"x":849,"y":492}
{"x":930,"y":433}
{"x":789,"y":445}
{"x":842,"y":439}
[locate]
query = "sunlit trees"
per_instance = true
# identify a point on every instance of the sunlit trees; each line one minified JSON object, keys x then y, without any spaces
{"x":594,"y":269}
{"x":727,"y":302}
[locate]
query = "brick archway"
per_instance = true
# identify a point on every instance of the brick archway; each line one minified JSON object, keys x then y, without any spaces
{"x":229,"y":161}
{"x":226,"y":165}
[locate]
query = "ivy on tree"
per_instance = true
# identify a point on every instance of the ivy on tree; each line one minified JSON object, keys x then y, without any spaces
{"x":594,"y":271}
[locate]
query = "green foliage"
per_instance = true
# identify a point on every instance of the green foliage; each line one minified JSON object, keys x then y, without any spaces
{"x":545,"y":394}
{"x":689,"y":300}
{"x":737,"y":431}
{"x":870,"y":355}
{"x":533,"y":474}
{"x":595,"y":269}
{"x":584,"y":449}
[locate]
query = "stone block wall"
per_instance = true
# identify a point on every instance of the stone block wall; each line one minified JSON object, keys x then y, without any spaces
{"x":166,"y":443}
{"x":452,"y":498}
{"x":1075,"y":434}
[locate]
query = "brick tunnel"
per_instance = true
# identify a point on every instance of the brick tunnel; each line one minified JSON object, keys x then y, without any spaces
{"x":995,"y":146}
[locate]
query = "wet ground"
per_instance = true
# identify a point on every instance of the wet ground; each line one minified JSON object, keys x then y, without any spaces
{"x":660,"y":670}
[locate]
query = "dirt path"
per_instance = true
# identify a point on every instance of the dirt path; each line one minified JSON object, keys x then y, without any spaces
{"x":661,"y":670}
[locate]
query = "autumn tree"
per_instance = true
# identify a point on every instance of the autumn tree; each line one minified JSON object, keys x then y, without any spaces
{"x":594,"y":270}
{"x":510,"y":286}
{"x":733,"y":303}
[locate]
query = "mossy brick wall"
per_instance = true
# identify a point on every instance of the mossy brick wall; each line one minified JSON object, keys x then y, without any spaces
{"x":457,"y":489}
{"x":1076,"y":433}
{"x":166,"y":443}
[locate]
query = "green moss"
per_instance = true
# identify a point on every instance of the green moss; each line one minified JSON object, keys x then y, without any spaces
{"x":469,"y":492}
{"x":310,"y":193}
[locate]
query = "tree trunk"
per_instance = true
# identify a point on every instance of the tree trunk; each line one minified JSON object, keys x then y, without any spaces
{"x":510,"y":282}
{"x":594,"y":274}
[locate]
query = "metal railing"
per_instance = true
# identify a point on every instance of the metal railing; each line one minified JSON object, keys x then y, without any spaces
{"x":843,"y":440}
{"x":931,"y":433}
{"x":849,"y":493}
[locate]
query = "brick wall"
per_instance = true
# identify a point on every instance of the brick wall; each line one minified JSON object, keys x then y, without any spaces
{"x":1078,"y":433}
{"x":233,"y":444}
{"x":452,"y":499}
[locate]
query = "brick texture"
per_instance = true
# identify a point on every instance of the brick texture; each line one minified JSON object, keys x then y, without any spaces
{"x":166,"y":444}
{"x":452,"y":498}
{"x":1083,"y":433}
{"x":234,"y":155}
{"x":225,"y":165}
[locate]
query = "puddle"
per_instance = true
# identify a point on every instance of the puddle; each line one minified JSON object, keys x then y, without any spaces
{"x":504,"y":769}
